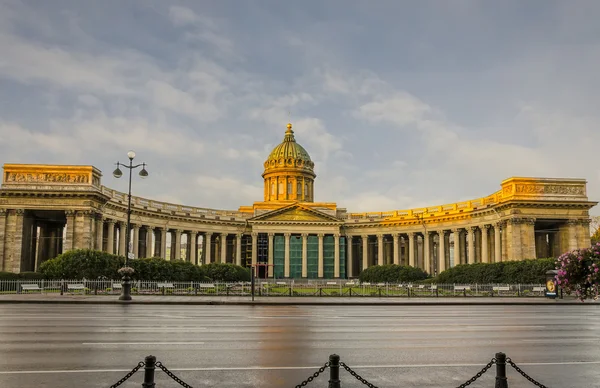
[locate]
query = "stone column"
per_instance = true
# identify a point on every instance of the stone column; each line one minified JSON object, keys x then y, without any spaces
{"x":528,"y":239}
{"x":18,"y":241}
{"x":70,"y":235}
{"x":254,"y":250}
{"x":122,"y":238}
{"x":427,"y":252}
{"x":441,"y":251}
{"x":3,"y":257}
{"x":411,"y":249}
{"x":395,"y":238}
{"x":110,"y":236}
{"x":336,"y":255}
{"x":270,"y":255}
{"x":224,"y":247}
{"x":193,"y":244}
{"x":163,"y":242}
{"x":286,"y":256}
{"x":149,"y":234}
{"x":349,"y":257}
{"x":573,"y":226}
{"x":238,"y":249}
{"x":99,"y":233}
{"x":365,"y":251}
{"x":136,"y":240}
{"x":304,"y":255}
{"x":497,"y":244}
{"x":471,"y":244}
{"x":456,"y":253}
{"x":484,"y":244}
{"x":83,"y":230}
{"x":177,"y":246}
{"x":585,"y":239}
{"x":207,"y":247}
{"x":380,"y":249}
{"x":320,"y":265}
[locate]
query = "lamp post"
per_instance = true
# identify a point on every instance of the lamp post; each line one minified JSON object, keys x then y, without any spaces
{"x":126,"y":285}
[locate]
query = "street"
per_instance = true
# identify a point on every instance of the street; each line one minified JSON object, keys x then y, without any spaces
{"x":68,"y":346}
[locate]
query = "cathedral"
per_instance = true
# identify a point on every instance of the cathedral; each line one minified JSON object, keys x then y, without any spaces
{"x":48,"y":209}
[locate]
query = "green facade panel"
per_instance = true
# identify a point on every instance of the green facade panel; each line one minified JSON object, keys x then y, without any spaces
{"x":312,"y":250}
{"x":278,"y":256}
{"x":328,"y":257}
{"x":295,"y":257}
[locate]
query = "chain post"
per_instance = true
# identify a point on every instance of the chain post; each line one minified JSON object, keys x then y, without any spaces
{"x":149,"y":368}
{"x":334,"y":371}
{"x":501,"y":380}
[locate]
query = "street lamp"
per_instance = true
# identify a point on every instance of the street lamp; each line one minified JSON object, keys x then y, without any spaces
{"x":126,"y":285}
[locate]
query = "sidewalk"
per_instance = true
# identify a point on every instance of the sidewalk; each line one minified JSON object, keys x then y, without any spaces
{"x":287,"y":301}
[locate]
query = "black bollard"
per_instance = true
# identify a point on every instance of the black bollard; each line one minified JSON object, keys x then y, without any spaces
{"x":149,"y":368}
{"x":501,"y":380}
{"x":334,"y":371}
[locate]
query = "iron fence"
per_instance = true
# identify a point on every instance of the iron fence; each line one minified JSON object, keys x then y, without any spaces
{"x":321,"y":288}
{"x":335,"y":365}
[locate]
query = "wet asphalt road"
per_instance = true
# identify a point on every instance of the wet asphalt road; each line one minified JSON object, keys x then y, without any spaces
{"x":278,"y":346}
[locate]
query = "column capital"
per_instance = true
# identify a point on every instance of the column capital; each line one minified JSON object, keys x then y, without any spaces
{"x":239,"y":235}
{"x":224,"y":234}
{"x":150,"y":227}
{"x":287,"y":235}
{"x":441,"y":232}
{"x":573,"y":222}
{"x":193,"y":232}
{"x":410,"y":234}
{"x":2,"y":212}
{"x":254,"y":234}
{"x":380,"y":236}
{"x":336,"y":235}
{"x":136,"y":226}
{"x":485,"y":226}
{"x":208,"y":234}
{"x":321,"y":235}
{"x":271,"y":234}
{"x":304,"y":235}
{"x":179,"y":231}
{"x":69,"y":213}
{"x":395,"y":236}
{"x":471,"y":229}
{"x":109,"y":221}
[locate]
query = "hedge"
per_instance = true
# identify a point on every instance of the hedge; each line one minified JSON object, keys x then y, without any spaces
{"x":392,"y":273}
{"x":90,"y":264}
{"x":509,"y":272}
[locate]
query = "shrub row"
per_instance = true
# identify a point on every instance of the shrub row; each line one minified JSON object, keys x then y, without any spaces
{"x":90,"y":264}
{"x":509,"y":272}
{"x":392,"y":273}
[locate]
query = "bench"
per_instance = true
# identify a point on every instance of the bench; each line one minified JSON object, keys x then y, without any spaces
{"x":76,"y":287}
{"x":504,"y":288}
{"x":117,"y":286}
{"x":462,"y":288}
{"x":421,"y":286}
{"x":350,"y":283}
{"x":207,"y":285}
{"x":539,"y":289}
{"x":281,"y":283}
{"x":433,"y":288}
{"x":332,"y":283}
{"x":31,"y":287}
{"x":366,"y":284}
{"x":165,"y":285}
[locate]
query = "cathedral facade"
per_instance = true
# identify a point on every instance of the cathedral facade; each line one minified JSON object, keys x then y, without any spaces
{"x":48,"y":209}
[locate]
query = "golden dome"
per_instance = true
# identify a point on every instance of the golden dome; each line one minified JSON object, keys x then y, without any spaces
{"x":289,"y":154}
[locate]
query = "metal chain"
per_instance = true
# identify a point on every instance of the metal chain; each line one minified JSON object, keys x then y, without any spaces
{"x":128,"y":375}
{"x":171,"y":375}
{"x":314,"y":376}
{"x":509,"y":361}
{"x":357,"y":376}
{"x":479,"y":374}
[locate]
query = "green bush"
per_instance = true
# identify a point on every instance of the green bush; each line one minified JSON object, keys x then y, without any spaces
{"x":31,"y":276}
{"x":82,"y":263}
{"x":225,"y":272}
{"x":509,"y":272}
{"x":175,"y":270}
{"x":392,"y":273}
{"x":9,"y":276}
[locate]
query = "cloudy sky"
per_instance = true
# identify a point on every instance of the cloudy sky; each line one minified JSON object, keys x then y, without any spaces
{"x":400,"y":104}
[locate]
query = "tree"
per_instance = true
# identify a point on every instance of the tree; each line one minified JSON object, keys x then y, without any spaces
{"x":595,"y":230}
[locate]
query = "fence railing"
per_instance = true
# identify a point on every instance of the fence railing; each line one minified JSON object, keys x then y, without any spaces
{"x":322,"y":288}
{"x":334,"y":364}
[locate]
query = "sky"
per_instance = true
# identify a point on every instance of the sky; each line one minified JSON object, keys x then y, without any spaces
{"x":400,"y":104}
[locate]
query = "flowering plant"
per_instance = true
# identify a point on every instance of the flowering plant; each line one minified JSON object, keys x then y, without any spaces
{"x":578,"y":271}
{"x":126,"y":271}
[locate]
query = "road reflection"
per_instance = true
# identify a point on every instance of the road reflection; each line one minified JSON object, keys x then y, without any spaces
{"x":285,"y":340}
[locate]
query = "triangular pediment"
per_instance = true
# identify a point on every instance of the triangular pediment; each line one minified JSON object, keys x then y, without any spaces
{"x":297,"y":213}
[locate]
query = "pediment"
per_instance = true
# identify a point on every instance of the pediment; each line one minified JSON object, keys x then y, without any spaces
{"x":296,"y":213}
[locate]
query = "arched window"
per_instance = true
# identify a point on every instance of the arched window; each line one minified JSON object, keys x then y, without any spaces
{"x":272,"y":188}
{"x":280,"y":188}
{"x":289,"y":190}
{"x":306,"y":193}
